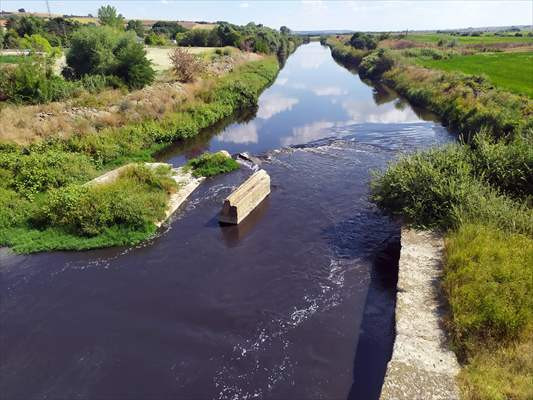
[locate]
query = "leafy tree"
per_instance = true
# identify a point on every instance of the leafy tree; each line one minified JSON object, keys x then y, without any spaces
{"x":107,"y":15}
{"x":153,"y":39}
{"x":136,"y":26}
{"x":132,"y":65}
{"x":363,"y":41}
{"x":11,"y":39}
{"x":37,"y":44}
{"x":194,"y":37}
{"x":2,"y":34}
{"x":26,"y":25}
{"x":108,"y":52}
{"x":168,"y":28}
{"x":62,"y":28}
{"x":284,"y":30}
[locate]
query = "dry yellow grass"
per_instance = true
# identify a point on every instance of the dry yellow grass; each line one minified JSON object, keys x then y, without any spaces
{"x":89,"y":113}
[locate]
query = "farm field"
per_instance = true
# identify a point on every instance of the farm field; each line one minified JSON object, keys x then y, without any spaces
{"x":486,"y":39}
{"x":510,"y":71}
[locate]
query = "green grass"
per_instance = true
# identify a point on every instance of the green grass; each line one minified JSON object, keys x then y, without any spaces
{"x":10,"y":59}
{"x":489,"y":280}
{"x":508,"y":71}
{"x":484,"y":39}
{"x":86,"y":216}
{"x":211,"y":164}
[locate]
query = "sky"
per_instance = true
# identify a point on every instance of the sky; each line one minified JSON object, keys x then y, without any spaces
{"x":309,"y":15}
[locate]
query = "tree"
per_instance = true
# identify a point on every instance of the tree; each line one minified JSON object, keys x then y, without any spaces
{"x":132,"y":65}
{"x":25,"y":25}
{"x":284,"y":30}
{"x":107,"y":15}
{"x":363,"y":41}
{"x":105,"y":51}
{"x":91,"y":51}
{"x":136,"y":26}
{"x":194,"y":37}
{"x":2,"y":34}
{"x":168,"y":28}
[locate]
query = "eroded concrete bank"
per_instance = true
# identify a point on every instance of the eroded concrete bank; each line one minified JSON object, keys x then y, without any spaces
{"x":422,"y":365}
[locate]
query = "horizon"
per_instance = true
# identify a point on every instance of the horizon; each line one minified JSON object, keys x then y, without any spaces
{"x":308,"y":15}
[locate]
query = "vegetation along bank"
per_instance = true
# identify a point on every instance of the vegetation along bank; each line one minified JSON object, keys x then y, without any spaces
{"x":108,"y":108}
{"x":478,"y":192}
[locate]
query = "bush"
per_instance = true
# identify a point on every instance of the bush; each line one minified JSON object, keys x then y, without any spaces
{"x":438,"y":189}
{"x":489,"y":281}
{"x":30,"y":82}
{"x":38,"y":171}
{"x":137,"y":198}
{"x":506,"y":166}
{"x":132,"y":65}
{"x":93,"y":83}
{"x":375,"y":64}
{"x":194,"y":37}
{"x":185,"y":65}
{"x":108,"y":52}
{"x":153,"y":39}
{"x":363,"y":41}
{"x":212,"y":164}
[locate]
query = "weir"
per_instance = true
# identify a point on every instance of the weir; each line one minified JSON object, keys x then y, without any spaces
{"x":245,"y":198}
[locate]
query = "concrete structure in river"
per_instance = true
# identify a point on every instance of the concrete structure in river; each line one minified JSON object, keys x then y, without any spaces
{"x":422,"y":366}
{"x":245,"y":198}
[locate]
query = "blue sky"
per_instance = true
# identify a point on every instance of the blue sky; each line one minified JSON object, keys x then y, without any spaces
{"x":302,"y":15}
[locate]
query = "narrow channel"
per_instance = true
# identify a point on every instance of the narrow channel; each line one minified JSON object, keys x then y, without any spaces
{"x":296,"y":302}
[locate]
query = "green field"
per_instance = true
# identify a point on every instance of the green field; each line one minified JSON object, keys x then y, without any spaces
{"x":508,"y":71}
{"x":10,"y":59}
{"x":484,"y":39}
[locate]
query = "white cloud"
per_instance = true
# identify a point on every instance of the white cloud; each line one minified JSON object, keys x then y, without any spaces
{"x":308,"y":133}
{"x":281,"y":81}
{"x":244,"y":5}
{"x":243,"y":133}
{"x":329,"y":91}
{"x":360,"y":112}
{"x":272,"y":104}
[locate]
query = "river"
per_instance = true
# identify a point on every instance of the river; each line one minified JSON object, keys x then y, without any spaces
{"x":295,"y":303}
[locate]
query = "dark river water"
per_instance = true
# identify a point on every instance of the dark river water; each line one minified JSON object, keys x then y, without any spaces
{"x":297,"y":302}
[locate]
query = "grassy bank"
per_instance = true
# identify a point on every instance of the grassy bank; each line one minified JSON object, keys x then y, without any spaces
{"x":479,"y":193}
{"x":34,"y":175}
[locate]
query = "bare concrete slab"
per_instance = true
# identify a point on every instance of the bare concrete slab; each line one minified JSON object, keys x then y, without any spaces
{"x":422,"y":365}
{"x":187,"y":183}
{"x":245,"y":198}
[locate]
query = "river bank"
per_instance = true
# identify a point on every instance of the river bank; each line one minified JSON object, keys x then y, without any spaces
{"x":478,"y":191}
{"x":36,"y":173}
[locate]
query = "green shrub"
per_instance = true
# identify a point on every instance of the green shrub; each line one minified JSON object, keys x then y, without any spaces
{"x":375,"y":64}
{"x":506,"y":166}
{"x":136,"y":199}
{"x":30,"y":82}
{"x":108,"y":52}
{"x":132,"y":65}
{"x":363,"y":41}
{"x":153,"y":39}
{"x":489,"y":281}
{"x":38,"y":171}
{"x":211,"y":164}
{"x":94,"y":83}
{"x":438,"y":189}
